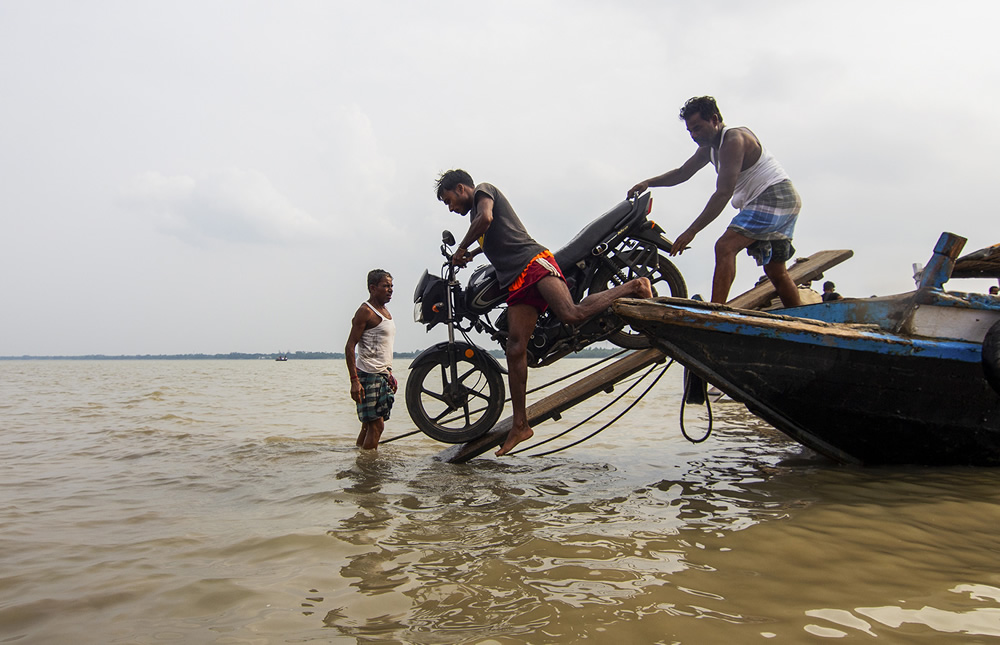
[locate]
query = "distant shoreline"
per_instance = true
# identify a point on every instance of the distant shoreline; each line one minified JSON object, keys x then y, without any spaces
{"x":234,"y":356}
{"x":599,"y":352}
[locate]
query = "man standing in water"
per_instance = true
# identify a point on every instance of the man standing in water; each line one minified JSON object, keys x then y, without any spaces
{"x":529,"y":273}
{"x":373,"y":386}
{"x":758,"y":186}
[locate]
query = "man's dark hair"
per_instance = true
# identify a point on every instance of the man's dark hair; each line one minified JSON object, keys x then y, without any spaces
{"x":702,"y":105}
{"x":450,"y":179}
{"x":829,"y":285}
{"x":375,"y":276}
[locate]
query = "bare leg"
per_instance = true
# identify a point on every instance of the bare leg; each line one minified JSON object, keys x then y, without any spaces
{"x":726,"y":249}
{"x":374,"y":433}
{"x":364,"y":431}
{"x":521,"y":320}
{"x":556,"y":293}
{"x":783,"y":283}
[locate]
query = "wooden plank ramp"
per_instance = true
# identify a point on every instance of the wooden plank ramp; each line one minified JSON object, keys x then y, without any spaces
{"x":553,"y":405}
{"x":804,"y":270}
{"x":604,"y":380}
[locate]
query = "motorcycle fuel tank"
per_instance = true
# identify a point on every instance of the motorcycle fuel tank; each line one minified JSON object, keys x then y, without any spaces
{"x":483,"y":292}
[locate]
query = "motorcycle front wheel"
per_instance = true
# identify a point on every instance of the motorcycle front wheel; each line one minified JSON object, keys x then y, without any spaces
{"x":664,"y":276}
{"x":454,"y":409}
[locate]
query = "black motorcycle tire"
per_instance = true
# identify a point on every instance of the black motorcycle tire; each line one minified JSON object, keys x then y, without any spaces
{"x":666,"y":280}
{"x":454,"y":412}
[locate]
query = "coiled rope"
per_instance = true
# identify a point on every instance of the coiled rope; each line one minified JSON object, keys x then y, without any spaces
{"x":708,"y":406}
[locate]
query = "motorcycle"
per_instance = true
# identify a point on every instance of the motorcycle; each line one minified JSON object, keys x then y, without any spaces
{"x":455,"y":389}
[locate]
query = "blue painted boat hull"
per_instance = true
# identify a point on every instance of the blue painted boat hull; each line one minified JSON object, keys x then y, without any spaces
{"x":857,"y":394}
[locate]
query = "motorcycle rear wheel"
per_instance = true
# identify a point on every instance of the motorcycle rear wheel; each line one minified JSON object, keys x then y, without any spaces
{"x":666,"y":280}
{"x":454,"y":410}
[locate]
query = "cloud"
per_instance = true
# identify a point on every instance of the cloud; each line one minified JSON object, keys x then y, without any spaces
{"x":284,"y":156}
{"x":232,"y":205}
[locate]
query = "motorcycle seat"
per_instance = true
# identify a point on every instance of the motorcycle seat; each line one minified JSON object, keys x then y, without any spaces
{"x":595,"y":233}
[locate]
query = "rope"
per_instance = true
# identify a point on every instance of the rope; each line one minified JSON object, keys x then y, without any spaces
{"x":708,"y":405}
{"x":579,"y":371}
{"x":635,"y":381}
{"x":531,"y":391}
{"x":405,"y":434}
{"x":619,"y":416}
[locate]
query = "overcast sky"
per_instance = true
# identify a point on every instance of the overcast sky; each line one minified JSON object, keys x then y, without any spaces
{"x":212,"y":177}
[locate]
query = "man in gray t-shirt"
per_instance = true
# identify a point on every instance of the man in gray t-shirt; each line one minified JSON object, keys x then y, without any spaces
{"x":506,"y":243}
{"x":530,"y":274}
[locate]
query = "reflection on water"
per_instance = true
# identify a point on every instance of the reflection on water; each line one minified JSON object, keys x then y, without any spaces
{"x":225,"y":502}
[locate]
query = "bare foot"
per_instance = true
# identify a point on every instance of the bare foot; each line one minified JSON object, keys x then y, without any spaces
{"x":514,"y":437}
{"x":643,"y":288}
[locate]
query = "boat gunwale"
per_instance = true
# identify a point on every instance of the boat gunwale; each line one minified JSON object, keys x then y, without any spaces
{"x":847,"y":336}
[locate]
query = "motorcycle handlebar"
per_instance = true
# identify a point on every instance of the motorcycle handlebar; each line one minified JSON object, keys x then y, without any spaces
{"x":449,"y":258}
{"x":452,"y":269}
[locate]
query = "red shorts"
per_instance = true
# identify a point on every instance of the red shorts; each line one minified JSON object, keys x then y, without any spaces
{"x":525,"y":291}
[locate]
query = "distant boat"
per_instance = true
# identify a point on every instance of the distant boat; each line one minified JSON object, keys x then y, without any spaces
{"x":907,"y":379}
{"x":281,"y":357}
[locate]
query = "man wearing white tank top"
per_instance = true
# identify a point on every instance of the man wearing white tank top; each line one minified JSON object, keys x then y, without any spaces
{"x":757,"y":185}
{"x":373,"y":387}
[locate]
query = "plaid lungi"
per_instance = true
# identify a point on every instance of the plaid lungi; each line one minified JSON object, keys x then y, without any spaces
{"x":770,"y":219}
{"x":378,"y":398}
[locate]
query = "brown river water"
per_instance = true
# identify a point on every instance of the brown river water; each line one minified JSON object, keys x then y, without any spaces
{"x":225,"y":502}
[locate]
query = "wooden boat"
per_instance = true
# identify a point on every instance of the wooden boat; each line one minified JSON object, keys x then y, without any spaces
{"x":905,"y":379}
{"x":604,"y":379}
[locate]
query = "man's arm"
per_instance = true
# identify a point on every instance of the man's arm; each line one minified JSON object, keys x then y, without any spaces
{"x":730,"y":163}
{"x":698,"y":160}
{"x":480,"y":223}
{"x":468,"y":255}
{"x":359,"y":324}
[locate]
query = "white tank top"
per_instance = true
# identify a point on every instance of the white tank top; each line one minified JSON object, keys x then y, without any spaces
{"x":757,"y":178}
{"x":374,"y":354}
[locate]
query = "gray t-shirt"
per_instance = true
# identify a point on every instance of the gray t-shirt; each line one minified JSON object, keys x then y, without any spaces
{"x":506,"y":243}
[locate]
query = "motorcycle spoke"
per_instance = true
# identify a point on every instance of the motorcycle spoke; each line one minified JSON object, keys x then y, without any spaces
{"x":478,"y":394}
{"x":472,"y":370}
{"x":437,"y":419}
{"x":459,"y":416}
{"x":432,"y":394}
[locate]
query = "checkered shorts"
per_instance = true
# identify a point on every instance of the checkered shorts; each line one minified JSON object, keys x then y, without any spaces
{"x":377,"y":402}
{"x":770,"y":220}
{"x":771,"y":215}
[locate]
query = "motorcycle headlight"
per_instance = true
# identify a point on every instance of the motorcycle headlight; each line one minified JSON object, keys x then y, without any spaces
{"x":425,"y":278}
{"x":418,"y":312}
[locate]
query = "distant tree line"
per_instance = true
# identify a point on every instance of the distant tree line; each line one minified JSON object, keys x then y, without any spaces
{"x":590,"y":352}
